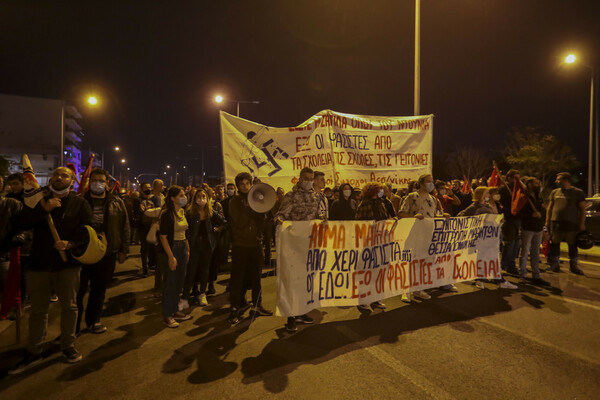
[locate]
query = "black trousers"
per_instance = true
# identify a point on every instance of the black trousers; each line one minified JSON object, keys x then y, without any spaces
{"x":96,"y":277}
{"x":246,"y":263}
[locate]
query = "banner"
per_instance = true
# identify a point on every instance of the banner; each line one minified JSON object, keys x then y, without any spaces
{"x":344,"y":263}
{"x":348,"y":148}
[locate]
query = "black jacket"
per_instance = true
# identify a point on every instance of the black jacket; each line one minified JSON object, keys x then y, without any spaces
{"x":10,"y":210}
{"x":116,"y":223}
{"x":73,"y":213}
{"x":246,"y":224}
{"x":195,"y":224}
{"x":343,"y":210}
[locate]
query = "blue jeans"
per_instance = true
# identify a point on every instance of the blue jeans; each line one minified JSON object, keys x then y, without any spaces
{"x":174,"y":279}
{"x":512,"y":242}
{"x":530,"y":246}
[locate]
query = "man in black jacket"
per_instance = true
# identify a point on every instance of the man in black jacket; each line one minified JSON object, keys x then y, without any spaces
{"x":511,"y":225}
{"x":109,"y":217}
{"x":48,"y":271}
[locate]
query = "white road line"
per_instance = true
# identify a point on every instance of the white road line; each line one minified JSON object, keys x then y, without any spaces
{"x":431,"y":389}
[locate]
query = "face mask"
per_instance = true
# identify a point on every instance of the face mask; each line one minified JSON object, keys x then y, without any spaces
{"x":181,"y":202}
{"x":429,"y":186}
{"x":307,"y":185}
{"x":328,"y":195}
{"x":486,"y":199}
{"x":380,"y":193}
{"x":59,"y":192}
{"x":230,"y":192}
{"x":442,"y":192}
{"x":496,"y":197}
{"x":98,"y":187}
{"x":347,"y":193}
{"x":147,"y":192}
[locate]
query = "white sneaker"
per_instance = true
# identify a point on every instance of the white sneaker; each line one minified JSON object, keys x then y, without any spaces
{"x":479,"y":285}
{"x":507,"y":285}
{"x":405,"y":297}
{"x":202,"y":299}
{"x":183,"y":304}
{"x":423,"y":295}
{"x":364,"y":307}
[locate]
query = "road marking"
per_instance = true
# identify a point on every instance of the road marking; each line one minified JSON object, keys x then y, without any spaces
{"x":432,"y":390}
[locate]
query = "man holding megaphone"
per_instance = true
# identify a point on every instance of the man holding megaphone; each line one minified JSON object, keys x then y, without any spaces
{"x":247,"y":218}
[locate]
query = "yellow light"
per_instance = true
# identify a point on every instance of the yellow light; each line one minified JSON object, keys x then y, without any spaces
{"x":570,"y":59}
{"x":117,"y":148}
{"x":219,"y":98}
{"x":168,"y":166}
{"x":92,"y":100}
{"x":123,"y":160}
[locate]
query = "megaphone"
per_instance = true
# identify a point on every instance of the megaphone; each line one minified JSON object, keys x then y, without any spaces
{"x":94,"y":248}
{"x":262,"y":197}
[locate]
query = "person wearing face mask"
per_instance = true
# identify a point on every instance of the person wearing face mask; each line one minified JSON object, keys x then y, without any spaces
{"x":480,"y":205}
{"x":446,"y":197}
{"x":140,"y":205}
{"x":301,"y":204}
{"x":48,"y":271}
{"x":109,"y":217}
{"x":565,"y":218}
{"x":344,"y":209}
{"x":204,"y":224}
{"x":372,"y":208}
{"x":532,"y":225}
{"x":422,"y":204}
{"x":465,"y":198}
{"x":173,"y":254}
{"x":495,"y":200}
{"x":393,"y":199}
{"x":318,"y":186}
{"x":246,"y":251}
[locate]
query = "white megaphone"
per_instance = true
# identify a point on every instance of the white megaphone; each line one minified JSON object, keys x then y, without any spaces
{"x":262,"y":197}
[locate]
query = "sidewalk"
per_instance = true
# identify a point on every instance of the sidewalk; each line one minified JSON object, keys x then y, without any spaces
{"x":592,"y":255}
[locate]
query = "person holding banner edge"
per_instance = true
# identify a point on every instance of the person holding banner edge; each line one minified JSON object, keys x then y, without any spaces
{"x":300,"y":204}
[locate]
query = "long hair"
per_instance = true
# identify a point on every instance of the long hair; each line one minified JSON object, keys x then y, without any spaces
{"x":371,"y":189}
{"x":172,"y":192}
{"x":208,"y":208}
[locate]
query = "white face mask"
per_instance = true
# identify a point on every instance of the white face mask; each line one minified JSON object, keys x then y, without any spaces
{"x":307,"y":185}
{"x":98,"y":187}
{"x":230,"y":192}
{"x":59,"y":192}
{"x":380,"y":193}
{"x":181,"y":202}
{"x":486,"y":198}
{"x":347,"y":193}
{"x":496,"y":197}
{"x":442,"y":192}
{"x":429,"y":186}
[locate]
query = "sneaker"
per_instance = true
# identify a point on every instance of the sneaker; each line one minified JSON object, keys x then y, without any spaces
{"x":304,"y":319}
{"x":540,"y":281}
{"x":450,"y":287}
{"x":507,"y":285}
{"x":234,"y":317}
{"x":363,"y":307}
{"x":378,"y":304}
{"x":423,"y":295}
{"x":97,"y":328}
{"x":179,"y":316}
{"x":260,"y":310}
{"x":291,"y":325}
{"x":72,"y":355}
{"x":202,"y":300}
{"x":211,"y":288}
{"x":53,"y":298}
{"x":29,"y":361}
{"x":479,"y":284}
{"x":171,"y":323}
{"x":575,"y":270}
{"x":405,"y":297}
{"x":183,"y":304}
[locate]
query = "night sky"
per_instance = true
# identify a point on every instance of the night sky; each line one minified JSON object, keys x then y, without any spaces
{"x":486,"y":65}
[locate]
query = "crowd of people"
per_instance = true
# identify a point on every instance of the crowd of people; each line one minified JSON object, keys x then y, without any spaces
{"x":186,"y":236}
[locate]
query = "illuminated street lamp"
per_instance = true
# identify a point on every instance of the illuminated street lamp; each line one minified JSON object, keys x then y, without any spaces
{"x":220,"y":99}
{"x":93,"y":100}
{"x":571,"y":59}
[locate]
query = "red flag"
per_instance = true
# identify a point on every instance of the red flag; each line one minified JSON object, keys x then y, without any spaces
{"x":494,"y":179}
{"x":85,"y":177}
{"x":116,"y":187}
{"x":466,"y":187}
{"x":12,"y":287}
{"x":519,"y":198}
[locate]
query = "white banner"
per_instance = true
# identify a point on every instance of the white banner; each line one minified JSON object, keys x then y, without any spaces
{"x":342,"y":263}
{"x":348,"y":148}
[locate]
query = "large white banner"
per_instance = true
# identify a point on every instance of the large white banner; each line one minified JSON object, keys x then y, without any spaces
{"x":342,"y":263}
{"x":348,"y":148}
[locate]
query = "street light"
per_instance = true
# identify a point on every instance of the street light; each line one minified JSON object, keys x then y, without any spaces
{"x":570,"y":59}
{"x":93,"y":100}
{"x":220,"y":99}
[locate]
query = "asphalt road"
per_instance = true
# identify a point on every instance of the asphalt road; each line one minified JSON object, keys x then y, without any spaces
{"x":532,"y":343}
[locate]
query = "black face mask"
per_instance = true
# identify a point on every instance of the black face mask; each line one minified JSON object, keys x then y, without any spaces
{"x":147,"y":192}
